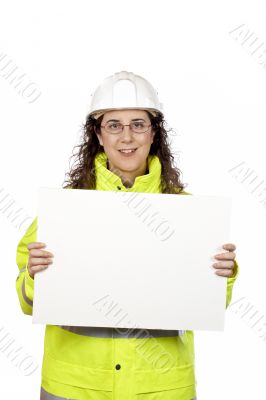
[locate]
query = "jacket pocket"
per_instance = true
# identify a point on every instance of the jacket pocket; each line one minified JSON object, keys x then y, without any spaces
{"x":164,"y":363}
{"x":161,"y":380}
{"x":76,"y":375}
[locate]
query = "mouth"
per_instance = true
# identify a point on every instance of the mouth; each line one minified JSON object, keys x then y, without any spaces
{"x":127,"y":151}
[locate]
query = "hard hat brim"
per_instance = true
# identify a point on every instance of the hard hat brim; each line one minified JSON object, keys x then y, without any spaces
{"x":97,"y":114}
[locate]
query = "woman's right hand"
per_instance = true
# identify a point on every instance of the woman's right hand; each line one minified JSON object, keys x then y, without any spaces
{"x":38,"y":259}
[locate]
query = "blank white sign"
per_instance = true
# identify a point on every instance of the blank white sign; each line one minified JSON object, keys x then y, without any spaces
{"x":131,"y":260}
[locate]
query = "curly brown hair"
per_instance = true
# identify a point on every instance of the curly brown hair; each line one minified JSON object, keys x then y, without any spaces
{"x":82,"y":175}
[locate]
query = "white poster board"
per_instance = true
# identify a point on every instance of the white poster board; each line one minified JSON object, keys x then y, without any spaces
{"x":131,"y":260}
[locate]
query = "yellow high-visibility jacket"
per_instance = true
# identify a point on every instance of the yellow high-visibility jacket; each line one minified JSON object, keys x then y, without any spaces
{"x":110,"y":363}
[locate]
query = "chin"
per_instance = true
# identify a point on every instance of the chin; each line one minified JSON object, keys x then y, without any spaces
{"x":128,"y":166}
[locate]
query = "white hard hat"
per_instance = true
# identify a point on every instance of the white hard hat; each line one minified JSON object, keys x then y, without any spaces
{"x":124,"y":90}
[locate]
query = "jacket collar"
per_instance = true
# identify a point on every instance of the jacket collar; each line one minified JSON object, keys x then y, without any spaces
{"x":107,"y":180}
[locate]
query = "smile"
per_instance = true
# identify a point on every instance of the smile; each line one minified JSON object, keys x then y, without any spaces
{"x":127,"y":151}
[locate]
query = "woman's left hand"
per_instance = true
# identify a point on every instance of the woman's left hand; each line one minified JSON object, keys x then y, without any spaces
{"x":225,"y":267}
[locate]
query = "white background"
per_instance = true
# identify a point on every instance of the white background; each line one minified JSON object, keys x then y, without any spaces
{"x":213,"y":91}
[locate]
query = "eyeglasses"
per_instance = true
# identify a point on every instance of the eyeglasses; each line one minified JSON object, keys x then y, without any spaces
{"x":118,"y":127}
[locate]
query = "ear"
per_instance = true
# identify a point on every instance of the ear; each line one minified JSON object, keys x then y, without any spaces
{"x":99,"y":136}
{"x":152,"y":135}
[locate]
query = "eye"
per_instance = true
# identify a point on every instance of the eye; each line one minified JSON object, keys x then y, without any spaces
{"x":114,"y":125}
{"x":138,"y":124}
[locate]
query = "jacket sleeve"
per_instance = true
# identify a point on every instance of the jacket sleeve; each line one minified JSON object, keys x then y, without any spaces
{"x":232,"y":279}
{"x":230,"y":283}
{"x":24,"y":282}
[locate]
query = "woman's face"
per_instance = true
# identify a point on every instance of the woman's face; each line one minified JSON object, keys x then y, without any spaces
{"x":135,"y":163}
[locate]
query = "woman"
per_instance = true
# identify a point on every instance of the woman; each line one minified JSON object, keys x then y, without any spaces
{"x":124,"y":147}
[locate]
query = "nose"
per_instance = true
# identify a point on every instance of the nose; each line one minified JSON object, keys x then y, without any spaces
{"x":126,"y":133}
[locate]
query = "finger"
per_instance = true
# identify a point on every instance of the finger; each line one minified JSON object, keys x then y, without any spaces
{"x":35,"y":245}
{"x":38,"y":261}
{"x":41,"y":253}
{"x":229,"y":246}
{"x":224,"y":272}
{"x":224,"y":264}
{"x":38,"y":268}
{"x":229,"y":255}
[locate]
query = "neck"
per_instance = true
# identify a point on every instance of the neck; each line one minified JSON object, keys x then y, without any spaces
{"x":128,"y":178}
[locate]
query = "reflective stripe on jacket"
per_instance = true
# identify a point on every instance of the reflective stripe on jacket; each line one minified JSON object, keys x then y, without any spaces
{"x":78,"y":361}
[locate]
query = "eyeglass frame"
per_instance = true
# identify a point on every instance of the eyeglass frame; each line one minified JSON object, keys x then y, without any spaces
{"x":123,"y":125}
